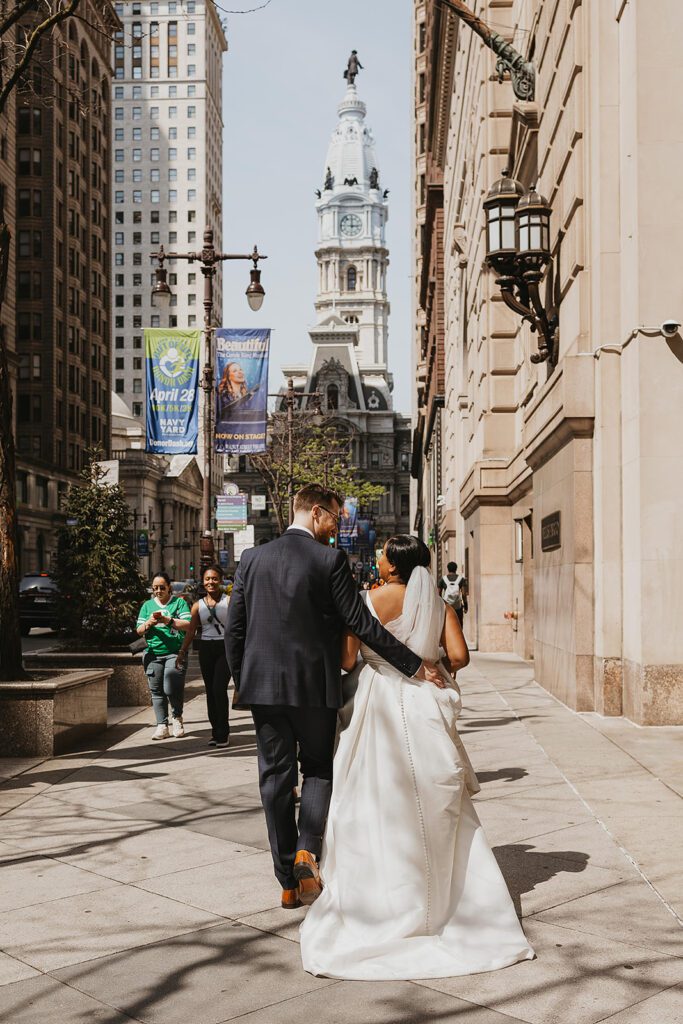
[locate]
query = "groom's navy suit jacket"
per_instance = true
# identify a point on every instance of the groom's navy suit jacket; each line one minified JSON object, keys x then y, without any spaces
{"x":290,"y":603}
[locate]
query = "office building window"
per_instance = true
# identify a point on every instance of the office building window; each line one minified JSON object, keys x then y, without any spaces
{"x":192,"y":90}
{"x":119,"y":177}
{"x":137,"y":155}
{"x":118,"y":134}
{"x":137,"y":385}
{"x":191,"y":195}
{"x":118,"y":259}
{"x":119,"y":323}
{"x":155,"y":195}
{"x":118,"y":386}
{"x":154,"y":153}
{"x":137,"y":134}
{"x":118,"y":363}
{"x":137,"y":341}
{"x":155,"y":174}
{"x":119,"y":341}
{"x":172,"y":195}
{"x":137,"y":196}
{"x":137,"y":408}
{"x":118,"y":156}
{"x":118,"y":113}
{"x":173,"y":153}
{"x":118,"y":197}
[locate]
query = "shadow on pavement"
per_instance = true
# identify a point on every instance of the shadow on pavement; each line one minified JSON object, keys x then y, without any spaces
{"x":524,"y":867}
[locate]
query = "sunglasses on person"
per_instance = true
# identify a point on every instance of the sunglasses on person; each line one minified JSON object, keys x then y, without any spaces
{"x":164,"y":587}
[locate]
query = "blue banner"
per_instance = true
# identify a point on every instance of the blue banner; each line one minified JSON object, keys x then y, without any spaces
{"x":348,"y":524}
{"x":172,"y":372}
{"x":241,"y":379}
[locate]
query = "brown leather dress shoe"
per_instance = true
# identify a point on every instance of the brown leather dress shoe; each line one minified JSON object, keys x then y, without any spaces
{"x":308,"y":876}
{"x":290,"y":899}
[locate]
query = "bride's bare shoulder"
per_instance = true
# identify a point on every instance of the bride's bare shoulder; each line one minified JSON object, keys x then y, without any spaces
{"x":388,"y":602}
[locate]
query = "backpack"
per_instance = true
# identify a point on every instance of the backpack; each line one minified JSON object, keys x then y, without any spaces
{"x":452,"y":594}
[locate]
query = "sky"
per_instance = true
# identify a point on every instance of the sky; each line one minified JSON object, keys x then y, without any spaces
{"x":282,"y":83}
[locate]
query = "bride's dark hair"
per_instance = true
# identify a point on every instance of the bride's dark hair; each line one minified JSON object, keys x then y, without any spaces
{"x":405,"y":553}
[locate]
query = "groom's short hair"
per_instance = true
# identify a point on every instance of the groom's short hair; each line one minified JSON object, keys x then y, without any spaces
{"x":316,"y":494}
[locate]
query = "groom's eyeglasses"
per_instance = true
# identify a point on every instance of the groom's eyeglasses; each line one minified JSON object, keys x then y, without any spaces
{"x":331,"y":513}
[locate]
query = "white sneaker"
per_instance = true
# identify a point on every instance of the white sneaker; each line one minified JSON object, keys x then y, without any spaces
{"x":177,"y":727}
{"x":161,"y":732}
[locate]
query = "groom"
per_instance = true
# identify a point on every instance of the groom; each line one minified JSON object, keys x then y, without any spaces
{"x":290,"y":603}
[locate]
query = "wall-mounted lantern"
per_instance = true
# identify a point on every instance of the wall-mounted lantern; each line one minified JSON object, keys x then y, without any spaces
{"x":518,"y":249}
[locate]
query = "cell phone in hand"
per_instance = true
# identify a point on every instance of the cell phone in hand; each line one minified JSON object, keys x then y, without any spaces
{"x":157,"y":615}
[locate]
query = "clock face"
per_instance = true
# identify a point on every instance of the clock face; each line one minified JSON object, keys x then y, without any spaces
{"x":350,"y":224}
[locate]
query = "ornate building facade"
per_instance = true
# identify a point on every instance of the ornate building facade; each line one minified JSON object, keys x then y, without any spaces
{"x":557,"y":482}
{"x":349,"y":362}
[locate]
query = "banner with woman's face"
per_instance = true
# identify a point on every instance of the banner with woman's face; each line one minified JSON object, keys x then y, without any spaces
{"x":241,"y":383}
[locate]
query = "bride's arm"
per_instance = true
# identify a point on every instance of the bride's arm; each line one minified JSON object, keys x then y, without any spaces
{"x":350,"y":649}
{"x":453,"y":641}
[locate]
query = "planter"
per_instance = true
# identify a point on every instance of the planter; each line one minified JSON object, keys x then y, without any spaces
{"x":51,"y":716}
{"x":127,"y":681}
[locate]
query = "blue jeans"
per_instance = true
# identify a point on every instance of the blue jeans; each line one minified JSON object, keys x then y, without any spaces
{"x":166,"y":684}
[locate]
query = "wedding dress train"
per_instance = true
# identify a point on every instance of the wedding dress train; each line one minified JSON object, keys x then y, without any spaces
{"x":412,"y":889}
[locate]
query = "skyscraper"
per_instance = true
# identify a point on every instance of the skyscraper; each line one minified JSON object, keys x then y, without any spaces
{"x":61,"y":293}
{"x":167,"y":170}
{"x":167,"y":173}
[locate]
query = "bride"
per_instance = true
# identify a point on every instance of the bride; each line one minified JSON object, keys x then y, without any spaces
{"x":411,"y":887}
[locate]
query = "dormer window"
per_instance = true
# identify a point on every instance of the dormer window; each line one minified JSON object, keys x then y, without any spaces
{"x":332,"y":397}
{"x":351,"y":278}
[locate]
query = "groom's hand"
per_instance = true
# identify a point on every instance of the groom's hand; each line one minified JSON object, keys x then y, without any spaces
{"x":428,"y":672}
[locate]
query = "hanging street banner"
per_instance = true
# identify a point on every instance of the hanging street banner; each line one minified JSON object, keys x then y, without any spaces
{"x":241,"y":380}
{"x":348,"y":524}
{"x":172,"y":374}
{"x":231,"y":512}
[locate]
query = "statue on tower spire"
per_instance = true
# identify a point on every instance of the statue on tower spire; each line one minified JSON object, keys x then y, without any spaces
{"x":353,"y":65}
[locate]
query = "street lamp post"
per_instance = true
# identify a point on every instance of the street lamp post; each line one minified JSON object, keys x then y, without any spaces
{"x":161,"y":292}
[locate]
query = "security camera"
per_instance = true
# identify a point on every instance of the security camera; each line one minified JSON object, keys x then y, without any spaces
{"x":669,"y":328}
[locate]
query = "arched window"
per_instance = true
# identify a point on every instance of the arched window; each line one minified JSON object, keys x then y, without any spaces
{"x":332,"y":396}
{"x":351,"y":278}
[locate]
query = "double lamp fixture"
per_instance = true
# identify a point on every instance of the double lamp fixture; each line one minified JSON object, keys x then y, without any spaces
{"x":518,"y":250}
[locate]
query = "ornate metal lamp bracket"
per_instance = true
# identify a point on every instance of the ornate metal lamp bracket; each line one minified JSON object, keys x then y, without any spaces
{"x":522,"y":72}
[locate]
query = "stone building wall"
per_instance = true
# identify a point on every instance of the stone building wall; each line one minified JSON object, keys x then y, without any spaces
{"x":593,"y":438}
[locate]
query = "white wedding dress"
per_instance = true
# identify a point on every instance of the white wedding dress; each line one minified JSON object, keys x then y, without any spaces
{"x":411,"y":887}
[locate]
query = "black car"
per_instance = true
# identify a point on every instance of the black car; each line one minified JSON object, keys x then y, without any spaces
{"x":38,"y":602}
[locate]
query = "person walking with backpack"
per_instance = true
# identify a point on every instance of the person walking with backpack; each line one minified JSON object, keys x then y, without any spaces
{"x":211,"y":614}
{"x":453,"y":589}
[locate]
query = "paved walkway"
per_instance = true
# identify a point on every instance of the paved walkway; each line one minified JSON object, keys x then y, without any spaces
{"x":135,"y":882}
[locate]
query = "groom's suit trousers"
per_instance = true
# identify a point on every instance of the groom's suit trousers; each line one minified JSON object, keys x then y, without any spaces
{"x":280,"y":732}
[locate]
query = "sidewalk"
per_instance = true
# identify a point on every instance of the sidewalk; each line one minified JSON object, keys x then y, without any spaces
{"x":136,"y":882}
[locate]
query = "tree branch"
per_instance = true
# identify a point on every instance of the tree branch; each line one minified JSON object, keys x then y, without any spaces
{"x":31,"y":44}
{"x":19,"y":11}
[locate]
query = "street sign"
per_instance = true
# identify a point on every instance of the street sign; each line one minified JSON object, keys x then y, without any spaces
{"x":223,"y":558}
{"x":551,"y":535}
{"x":231,"y":512}
{"x":258,"y":502}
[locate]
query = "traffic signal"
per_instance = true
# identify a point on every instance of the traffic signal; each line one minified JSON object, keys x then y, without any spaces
{"x":191,"y":568}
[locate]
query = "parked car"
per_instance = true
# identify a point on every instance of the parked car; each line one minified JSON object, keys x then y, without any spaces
{"x":187,"y":589}
{"x":38,"y":602}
